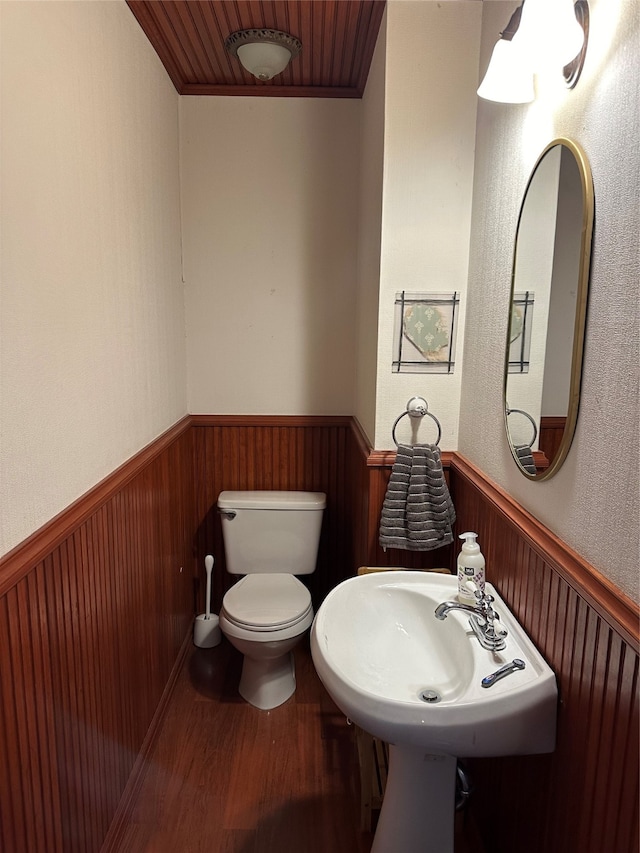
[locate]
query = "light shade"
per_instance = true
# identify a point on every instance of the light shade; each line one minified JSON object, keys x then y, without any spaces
{"x":509,"y":77}
{"x":550,"y":32}
{"x":541,"y":35}
{"x":264,"y":53}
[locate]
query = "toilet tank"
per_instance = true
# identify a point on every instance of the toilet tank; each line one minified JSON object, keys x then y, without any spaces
{"x":271,"y":531}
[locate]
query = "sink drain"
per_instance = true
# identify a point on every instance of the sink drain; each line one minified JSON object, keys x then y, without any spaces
{"x":430,"y":696}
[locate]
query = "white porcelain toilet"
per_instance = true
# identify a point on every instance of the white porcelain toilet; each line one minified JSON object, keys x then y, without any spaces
{"x":269,"y":537}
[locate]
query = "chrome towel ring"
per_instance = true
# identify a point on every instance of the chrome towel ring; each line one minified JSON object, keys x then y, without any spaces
{"x":528,"y":416}
{"x":417,"y":408}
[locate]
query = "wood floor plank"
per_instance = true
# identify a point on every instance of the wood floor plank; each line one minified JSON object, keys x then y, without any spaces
{"x":223,"y":776}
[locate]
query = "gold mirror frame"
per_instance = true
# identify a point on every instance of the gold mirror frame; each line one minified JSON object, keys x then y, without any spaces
{"x":582,"y":291}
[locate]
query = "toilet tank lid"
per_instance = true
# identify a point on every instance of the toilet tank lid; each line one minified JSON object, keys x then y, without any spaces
{"x":272,"y":500}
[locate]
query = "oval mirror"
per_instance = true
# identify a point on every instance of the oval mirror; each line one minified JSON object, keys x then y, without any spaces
{"x":549,"y":288}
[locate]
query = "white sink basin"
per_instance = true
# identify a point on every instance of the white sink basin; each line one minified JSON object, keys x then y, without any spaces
{"x":378,"y":648}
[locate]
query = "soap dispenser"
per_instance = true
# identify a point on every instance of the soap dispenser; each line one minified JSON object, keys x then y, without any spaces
{"x":470,"y":568}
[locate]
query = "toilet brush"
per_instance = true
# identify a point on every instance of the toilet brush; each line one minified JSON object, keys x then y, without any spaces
{"x":206,"y":630}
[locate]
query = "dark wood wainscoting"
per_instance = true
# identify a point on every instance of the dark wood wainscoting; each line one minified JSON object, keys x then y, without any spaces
{"x":551,"y":435}
{"x":275,"y":452}
{"x":584,"y":797}
{"x":93,"y":611}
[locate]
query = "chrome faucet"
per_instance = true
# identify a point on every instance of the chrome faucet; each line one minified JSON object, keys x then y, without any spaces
{"x":482,"y":620}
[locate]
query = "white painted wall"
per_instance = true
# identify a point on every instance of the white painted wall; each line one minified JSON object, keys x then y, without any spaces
{"x":533,"y":273}
{"x":369,"y":237}
{"x":562,"y":309}
{"x":92,"y":355}
{"x":270,"y":219}
{"x":592,"y":503}
{"x":432,"y":51}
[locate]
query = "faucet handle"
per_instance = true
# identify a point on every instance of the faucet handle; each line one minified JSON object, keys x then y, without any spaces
{"x":486,"y":604}
{"x":482,"y":600}
{"x":474,"y":589}
{"x":497,"y":625}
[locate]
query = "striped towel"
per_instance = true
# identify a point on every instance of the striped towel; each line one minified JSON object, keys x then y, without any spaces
{"x":417,"y":512}
{"x":525,"y":457}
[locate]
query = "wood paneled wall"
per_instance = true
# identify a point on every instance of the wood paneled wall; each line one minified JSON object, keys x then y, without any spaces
{"x":583,"y":797}
{"x":551,"y":435}
{"x":93,"y":611}
{"x":94,"y":608}
{"x":273,"y":452}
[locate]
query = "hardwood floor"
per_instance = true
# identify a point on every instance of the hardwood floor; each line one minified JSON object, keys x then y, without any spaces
{"x":224,"y":777}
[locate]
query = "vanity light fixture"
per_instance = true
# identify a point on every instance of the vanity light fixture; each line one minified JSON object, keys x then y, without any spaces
{"x":573,"y":68}
{"x":540,"y":34}
{"x":263,"y":52}
{"x":552,"y":32}
{"x":509,"y":77}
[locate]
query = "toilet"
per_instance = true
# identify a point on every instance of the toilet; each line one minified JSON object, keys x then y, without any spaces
{"x":269,"y":538}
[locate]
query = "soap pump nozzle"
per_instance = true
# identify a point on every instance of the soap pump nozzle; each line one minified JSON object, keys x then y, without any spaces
{"x":470,"y":542}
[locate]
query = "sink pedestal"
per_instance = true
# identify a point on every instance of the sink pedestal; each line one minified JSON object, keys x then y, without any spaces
{"x":418,"y":809}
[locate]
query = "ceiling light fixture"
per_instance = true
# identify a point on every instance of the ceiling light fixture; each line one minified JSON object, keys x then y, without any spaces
{"x":263,"y":52}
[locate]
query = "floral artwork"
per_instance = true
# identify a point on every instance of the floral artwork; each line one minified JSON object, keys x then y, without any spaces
{"x":428,"y":330}
{"x":425,"y":330}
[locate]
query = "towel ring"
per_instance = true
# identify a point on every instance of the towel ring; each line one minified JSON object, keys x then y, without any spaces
{"x":528,"y":416}
{"x":416,"y":408}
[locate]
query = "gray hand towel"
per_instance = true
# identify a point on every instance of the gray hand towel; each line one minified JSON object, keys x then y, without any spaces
{"x":417,"y":512}
{"x":525,"y":457}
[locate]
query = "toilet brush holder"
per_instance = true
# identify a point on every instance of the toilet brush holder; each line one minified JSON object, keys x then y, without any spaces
{"x":206,"y":629}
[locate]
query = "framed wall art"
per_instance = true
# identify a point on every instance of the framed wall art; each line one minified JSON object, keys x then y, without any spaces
{"x":425,"y":326}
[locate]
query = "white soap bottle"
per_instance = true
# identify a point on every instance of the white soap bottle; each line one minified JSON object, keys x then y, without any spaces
{"x":470,"y":568}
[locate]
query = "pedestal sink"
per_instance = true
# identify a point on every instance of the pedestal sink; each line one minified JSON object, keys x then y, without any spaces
{"x":415,"y":682}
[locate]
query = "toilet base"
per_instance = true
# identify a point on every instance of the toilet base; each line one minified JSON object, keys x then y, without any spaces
{"x":268,"y":682}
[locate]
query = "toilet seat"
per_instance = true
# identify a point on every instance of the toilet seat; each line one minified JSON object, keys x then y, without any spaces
{"x":268,"y":603}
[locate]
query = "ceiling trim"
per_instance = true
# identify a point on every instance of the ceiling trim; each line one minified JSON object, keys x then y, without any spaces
{"x":272,"y":91}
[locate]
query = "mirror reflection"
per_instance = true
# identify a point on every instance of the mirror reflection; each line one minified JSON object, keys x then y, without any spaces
{"x":548,"y":309}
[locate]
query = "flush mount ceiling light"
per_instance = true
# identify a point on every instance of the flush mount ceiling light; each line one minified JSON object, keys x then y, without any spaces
{"x":263,"y":52}
{"x":540,"y":34}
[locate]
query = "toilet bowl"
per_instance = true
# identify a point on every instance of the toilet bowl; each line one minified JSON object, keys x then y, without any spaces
{"x":269,"y":538}
{"x":264,"y":617}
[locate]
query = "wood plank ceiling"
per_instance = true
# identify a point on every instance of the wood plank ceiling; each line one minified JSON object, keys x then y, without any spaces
{"x":338,"y":38}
